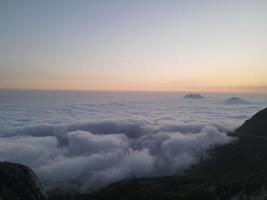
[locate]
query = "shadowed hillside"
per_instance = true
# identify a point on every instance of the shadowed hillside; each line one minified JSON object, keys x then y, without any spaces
{"x":255,"y":126}
{"x":18,"y":182}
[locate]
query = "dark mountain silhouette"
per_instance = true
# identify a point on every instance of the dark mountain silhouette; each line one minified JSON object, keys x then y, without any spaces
{"x":257,"y":125}
{"x":18,"y":182}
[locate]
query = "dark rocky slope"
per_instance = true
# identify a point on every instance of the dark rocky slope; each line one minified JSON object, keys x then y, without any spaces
{"x":18,"y":182}
{"x":256,"y":126}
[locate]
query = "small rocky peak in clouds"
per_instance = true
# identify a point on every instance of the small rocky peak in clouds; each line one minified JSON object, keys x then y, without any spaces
{"x":235,"y":100}
{"x":193,"y":96}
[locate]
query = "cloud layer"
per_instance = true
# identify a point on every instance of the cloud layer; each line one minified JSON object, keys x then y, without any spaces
{"x":91,"y":155}
{"x":86,"y":140}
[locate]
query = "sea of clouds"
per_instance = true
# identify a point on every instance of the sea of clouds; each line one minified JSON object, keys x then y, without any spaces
{"x":91,"y":141}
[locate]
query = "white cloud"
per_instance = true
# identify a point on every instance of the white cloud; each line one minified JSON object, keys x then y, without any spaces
{"x":91,"y":160}
{"x":91,"y":140}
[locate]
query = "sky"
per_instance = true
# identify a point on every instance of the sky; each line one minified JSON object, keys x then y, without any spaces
{"x":146,"y":45}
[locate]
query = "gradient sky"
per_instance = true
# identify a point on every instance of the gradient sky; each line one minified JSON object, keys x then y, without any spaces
{"x":182,"y":45}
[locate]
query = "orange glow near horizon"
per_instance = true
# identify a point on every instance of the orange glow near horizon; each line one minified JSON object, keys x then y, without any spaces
{"x":149,"y":88}
{"x":202,"y":80}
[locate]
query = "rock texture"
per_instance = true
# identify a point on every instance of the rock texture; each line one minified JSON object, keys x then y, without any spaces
{"x":18,"y":182}
{"x":173,"y":187}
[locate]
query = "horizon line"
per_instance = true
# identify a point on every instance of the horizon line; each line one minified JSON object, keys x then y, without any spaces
{"x":143,"y":91}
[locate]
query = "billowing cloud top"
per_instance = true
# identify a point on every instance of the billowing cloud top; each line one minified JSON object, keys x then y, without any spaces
{"x":86,"y":146}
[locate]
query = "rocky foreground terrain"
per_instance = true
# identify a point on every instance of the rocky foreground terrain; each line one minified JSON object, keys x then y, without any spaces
{"x":235,"y":171}
{"x":18,"y":182}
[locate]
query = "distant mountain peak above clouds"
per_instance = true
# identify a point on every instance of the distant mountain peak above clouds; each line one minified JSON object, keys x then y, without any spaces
{"x":235,"y":100}
{"x":193,"y":96}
